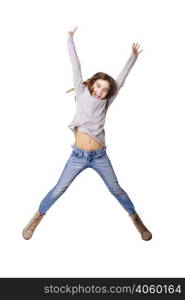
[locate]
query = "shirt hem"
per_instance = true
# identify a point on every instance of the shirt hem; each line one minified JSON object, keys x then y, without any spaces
{"x":84,"y":130}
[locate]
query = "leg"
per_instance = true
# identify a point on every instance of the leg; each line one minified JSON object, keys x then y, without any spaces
{"x":104,"y":168}
{"x":73,"y":167}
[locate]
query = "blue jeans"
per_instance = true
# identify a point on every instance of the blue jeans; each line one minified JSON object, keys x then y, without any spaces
{"x":80,"y":160}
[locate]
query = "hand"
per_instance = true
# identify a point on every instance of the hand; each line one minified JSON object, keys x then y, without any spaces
{"x":73,"y":31}
{"x":135,"y":49}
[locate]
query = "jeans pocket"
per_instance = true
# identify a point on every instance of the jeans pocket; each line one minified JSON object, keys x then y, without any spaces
{"x":76,"y":153}
{"x":98,"y":155}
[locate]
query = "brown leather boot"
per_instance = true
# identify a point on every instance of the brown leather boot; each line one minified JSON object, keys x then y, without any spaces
{"x":30,"y":228}
{"x":145,"y":233}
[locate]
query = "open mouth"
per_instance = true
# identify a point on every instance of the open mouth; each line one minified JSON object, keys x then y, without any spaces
{"x":96,"y":96}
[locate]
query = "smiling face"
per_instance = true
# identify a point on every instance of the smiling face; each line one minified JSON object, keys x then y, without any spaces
{"x":100,"y":89}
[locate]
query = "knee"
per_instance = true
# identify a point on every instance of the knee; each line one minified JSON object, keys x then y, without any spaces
{"x":116,"y":189}
{"x":58,"y":190}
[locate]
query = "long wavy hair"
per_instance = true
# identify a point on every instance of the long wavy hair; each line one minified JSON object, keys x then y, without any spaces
{"x":100,"y":75}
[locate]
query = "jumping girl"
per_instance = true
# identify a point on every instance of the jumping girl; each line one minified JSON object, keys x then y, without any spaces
{"x":93,"y":99}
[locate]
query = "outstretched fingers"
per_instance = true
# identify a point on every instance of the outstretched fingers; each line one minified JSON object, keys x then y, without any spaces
{"x":135,"y":48}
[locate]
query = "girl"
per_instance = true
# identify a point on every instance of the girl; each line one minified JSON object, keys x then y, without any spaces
{"x":93,"y":99}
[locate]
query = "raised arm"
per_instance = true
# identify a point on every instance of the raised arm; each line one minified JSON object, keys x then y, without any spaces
{"x":77,"y":75}
{"x":125,"y":71}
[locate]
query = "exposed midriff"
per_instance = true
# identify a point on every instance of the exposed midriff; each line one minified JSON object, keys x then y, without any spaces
{"x":86,"y":142}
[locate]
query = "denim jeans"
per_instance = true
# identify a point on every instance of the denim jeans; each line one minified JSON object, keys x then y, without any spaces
{"x":80,"y":160}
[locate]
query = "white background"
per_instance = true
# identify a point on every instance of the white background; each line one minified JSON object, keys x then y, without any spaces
{"x":87,"y":233}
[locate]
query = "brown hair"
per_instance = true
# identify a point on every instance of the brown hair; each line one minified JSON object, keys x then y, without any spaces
{"x":100,"y":75}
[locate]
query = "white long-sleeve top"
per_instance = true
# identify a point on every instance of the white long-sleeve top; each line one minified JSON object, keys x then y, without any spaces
{"x":91,"y":112}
